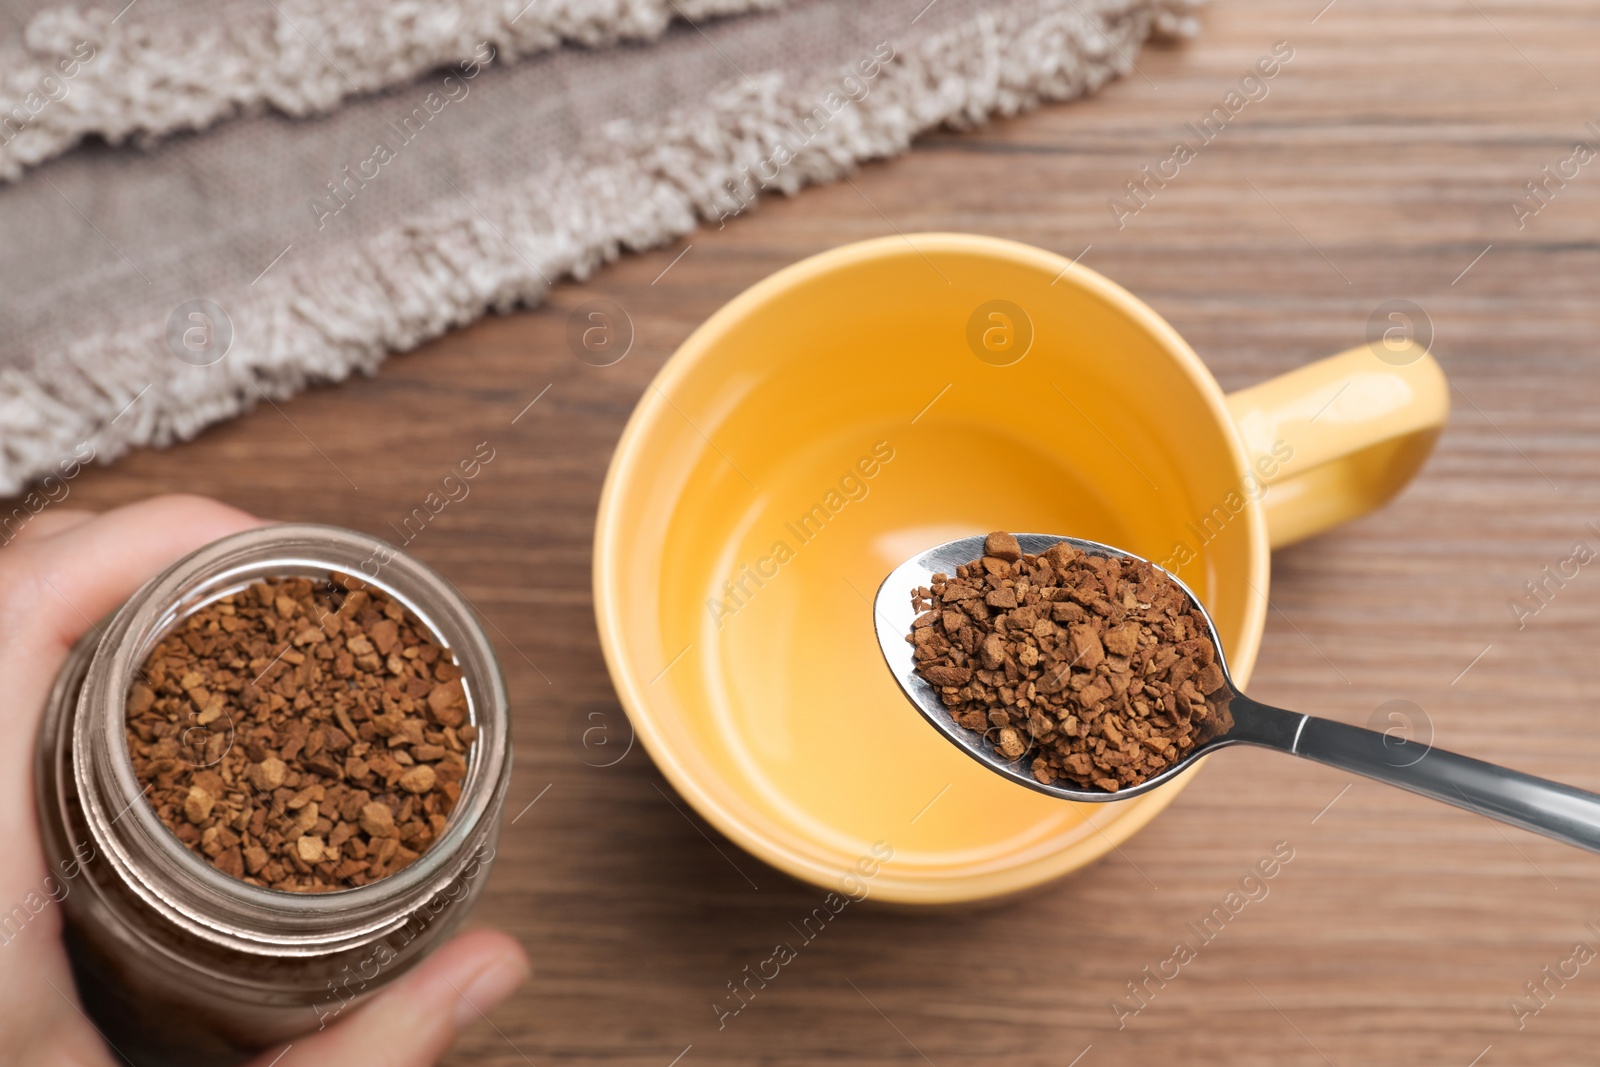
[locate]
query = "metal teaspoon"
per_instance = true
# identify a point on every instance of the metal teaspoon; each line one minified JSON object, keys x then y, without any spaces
{"x":1545,"y":807}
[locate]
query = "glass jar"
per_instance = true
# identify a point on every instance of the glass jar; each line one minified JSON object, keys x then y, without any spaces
{"x":177,"y":962}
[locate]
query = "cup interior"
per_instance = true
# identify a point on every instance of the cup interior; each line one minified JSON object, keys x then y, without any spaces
{"x":836,"y":419}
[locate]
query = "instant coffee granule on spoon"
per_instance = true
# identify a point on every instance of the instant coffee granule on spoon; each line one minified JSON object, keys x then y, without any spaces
{"x":307,"y":736}
{"x":1099,"y":666}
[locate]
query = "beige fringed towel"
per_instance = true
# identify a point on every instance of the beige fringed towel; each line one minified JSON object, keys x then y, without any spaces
{"x":371,"y":174}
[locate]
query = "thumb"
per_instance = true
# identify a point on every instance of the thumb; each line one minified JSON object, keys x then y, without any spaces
{"x":414,"y":1021}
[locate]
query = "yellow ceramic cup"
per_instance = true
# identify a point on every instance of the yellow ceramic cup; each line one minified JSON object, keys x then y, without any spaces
{"x":866,"y":403}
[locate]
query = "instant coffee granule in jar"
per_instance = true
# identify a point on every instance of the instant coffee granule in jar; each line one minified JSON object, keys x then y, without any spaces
{"x":278,"y":774}
{"x":1097,"y":669}
{"x":347,"y":727}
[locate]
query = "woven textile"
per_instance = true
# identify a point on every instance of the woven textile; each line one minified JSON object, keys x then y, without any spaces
{"x":205,"y":205}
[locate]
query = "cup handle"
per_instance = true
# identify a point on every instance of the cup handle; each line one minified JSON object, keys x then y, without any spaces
{"x":1336,"y":438}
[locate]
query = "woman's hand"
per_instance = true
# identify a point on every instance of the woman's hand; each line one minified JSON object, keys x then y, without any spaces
{"x":62,"y":571}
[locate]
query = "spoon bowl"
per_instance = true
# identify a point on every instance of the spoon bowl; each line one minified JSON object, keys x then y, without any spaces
{"x":1544,"y":807}
{"x":893,"y":614}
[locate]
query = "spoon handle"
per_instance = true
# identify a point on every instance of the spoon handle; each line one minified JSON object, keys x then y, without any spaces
{"x":1536,"y":804}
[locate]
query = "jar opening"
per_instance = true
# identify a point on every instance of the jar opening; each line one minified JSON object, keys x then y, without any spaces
{"x":152,"y":858}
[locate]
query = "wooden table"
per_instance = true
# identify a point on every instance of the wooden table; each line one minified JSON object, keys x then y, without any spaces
{"x":1381,"y":165}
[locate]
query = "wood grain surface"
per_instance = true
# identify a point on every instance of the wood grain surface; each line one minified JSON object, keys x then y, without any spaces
{"x":1381,"y":165}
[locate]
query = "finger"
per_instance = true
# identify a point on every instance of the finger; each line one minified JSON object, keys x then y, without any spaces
{"x":414,"y":1021}
{"x":47,"y":524}
{"x":91,"y":568}
{"x":51,"y":591}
